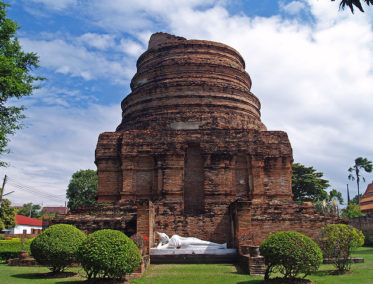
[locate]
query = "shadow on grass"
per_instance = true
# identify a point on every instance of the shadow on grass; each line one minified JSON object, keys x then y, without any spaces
{"x":94,"y":281}
{"x":48,"y":275}
{"x":250,"y":282}
{"x":321,"y":273}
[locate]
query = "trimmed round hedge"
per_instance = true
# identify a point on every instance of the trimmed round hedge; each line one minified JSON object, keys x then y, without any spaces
{"x":56,"y":247}
{"x":108,"y":254}
{"x":290,"y":253}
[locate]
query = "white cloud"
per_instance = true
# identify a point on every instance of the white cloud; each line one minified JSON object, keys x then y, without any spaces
{"x":99,"y":41}
{"x":132,"y":16}
{"x":131,"y":48}
{"x":76,"y":60}
{"x":293,"y":8}
{"x":57,"y":142}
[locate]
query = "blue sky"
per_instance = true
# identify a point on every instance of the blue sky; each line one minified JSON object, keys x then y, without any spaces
{"x":311,"y":67}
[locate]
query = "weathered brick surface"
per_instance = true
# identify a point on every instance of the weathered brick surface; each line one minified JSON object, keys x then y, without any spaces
{"x":262,"y":218}
{"x":192,"y":145}
{"x":365,"y":224}
{"x":93,"y":218}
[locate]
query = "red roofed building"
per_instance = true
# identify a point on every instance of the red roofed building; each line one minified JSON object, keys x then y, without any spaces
{"x":366,"y":202}
{"x":25,"y":225}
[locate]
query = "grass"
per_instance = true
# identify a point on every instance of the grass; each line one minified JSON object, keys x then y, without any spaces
{"x":194,"y":273}
{"x":22,"y":274}
{"x":362,"y":273}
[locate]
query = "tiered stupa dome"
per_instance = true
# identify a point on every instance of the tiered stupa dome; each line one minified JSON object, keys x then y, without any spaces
{"x":190,"y":84}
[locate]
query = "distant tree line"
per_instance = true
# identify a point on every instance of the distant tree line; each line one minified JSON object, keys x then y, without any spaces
{"x":309,"y":185}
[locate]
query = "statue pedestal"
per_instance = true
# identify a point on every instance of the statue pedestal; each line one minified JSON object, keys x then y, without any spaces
{"x":193,"y":255}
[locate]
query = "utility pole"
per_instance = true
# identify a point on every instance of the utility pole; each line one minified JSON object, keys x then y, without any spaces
{"x":2,"y":190}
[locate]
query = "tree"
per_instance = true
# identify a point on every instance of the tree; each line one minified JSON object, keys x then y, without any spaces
{"x":356,"y":199}
{"x":337,"y":241}
{"x":291,"y":254}
{"x":7,"y":215}
{"x":16,"y":79}
{"x":31,"y":210}
{"x":57,"y":246}
{"x":355,"y":172}
{"x":108,"y":254}
{"x":82,"y":188}
{"x":352,"y":3}
{"x":352,"y":210}
{"x":307,"y":184}
{"x":335,"y":195}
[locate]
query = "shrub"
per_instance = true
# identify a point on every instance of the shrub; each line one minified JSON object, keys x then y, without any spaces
{"x":56,"y":247}
{"x":108,"y":254}
{"x":9,"y":248}
{"x":337,"y":242}
{"x":290,"y":253}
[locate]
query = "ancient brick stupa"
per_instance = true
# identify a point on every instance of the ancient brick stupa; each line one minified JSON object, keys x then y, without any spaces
{"x":191,"y":155}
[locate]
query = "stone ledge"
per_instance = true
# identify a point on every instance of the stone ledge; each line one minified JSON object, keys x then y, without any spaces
{"x":193,"y":251}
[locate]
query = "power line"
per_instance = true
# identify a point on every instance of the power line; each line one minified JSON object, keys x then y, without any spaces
{"x":33,"y":190}
{"x":38,"y":193}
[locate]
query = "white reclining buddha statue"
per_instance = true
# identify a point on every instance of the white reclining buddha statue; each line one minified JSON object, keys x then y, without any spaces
{"x":177,"y":241}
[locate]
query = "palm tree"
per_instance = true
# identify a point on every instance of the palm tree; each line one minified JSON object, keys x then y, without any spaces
{"x":360,"y":164}
{"x":336,"y":195}
{"x":352,"y":3}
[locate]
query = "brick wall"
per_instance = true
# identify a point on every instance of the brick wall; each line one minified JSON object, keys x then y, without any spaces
{"x":261,"y":218}
{"x":365,"y":224}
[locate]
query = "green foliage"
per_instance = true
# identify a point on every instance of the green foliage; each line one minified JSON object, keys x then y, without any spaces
{"x":9,"y":248}
{"x":356,"y":199}
{"x":290,"y":253}
{"x":108,"y":254}
{"x":307,"y":184}
{"x":16,"y":78}
{"x":330,"y":204}
{"x":7,"y":215}
{"x":335,"y":195}
{"x":31,"y":210}
{"x":56,"y":247}
{"x":337,"y":242}
{"x":352,"y":210}
{"x":82,"y":188}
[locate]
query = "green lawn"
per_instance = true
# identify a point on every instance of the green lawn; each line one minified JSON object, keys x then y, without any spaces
{"x":194,"y":273}
{"x":214,"y":273}
{"x":21,"y":274}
